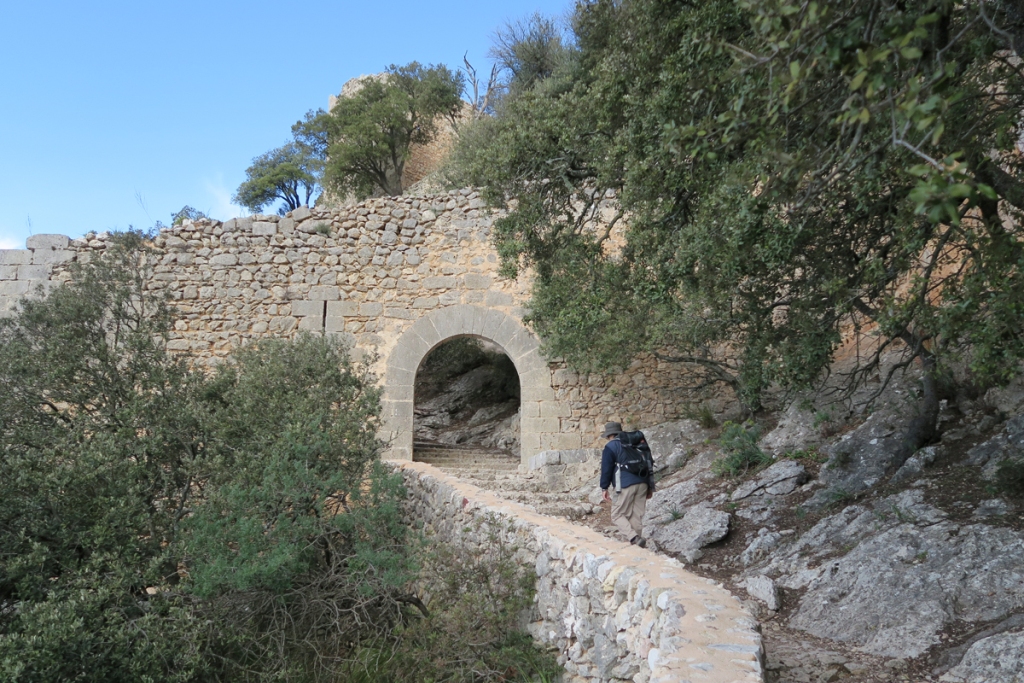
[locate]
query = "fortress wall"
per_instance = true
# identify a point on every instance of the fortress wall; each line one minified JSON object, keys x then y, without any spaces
{"x":612,"y":611}
{"x":366,"y":272}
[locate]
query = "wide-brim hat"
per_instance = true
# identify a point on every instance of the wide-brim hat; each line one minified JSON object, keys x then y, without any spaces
{"x":612,"y":428}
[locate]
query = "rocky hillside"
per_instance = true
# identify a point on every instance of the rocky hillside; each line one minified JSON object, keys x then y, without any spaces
{"x":859,"y":570}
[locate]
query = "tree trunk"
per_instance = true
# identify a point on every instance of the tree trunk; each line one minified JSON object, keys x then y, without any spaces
{"x":923,"y":428}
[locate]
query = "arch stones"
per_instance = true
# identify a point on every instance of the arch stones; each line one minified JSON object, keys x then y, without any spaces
{"x":540,"y":410}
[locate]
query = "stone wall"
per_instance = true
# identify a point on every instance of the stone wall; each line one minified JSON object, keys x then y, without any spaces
{"x":390,"y":275}
{"x":613,"y":612}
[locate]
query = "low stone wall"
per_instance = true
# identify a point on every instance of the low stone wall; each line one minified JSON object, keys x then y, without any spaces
{"x":614,"y":612}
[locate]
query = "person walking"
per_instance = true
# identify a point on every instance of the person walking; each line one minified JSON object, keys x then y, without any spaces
{"x":631,"y":491}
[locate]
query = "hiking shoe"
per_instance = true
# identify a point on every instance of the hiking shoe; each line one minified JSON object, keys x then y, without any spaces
{"x":638,"y":540}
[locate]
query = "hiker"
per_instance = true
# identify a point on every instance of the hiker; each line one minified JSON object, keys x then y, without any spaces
{"x":631,"y":490}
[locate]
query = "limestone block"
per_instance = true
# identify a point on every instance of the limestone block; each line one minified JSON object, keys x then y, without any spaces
{"x":425,"y":302}
{"x":175,"y":242}
{"x":401,"y":313}
{"x":286,"y":225}
{"x":34,"y":272}
{"x":311,"y":323}
{"x":334,"y":325}
{"x":44,"y":256}
{"x":224,"y":260}
{"x":323,"y":293}
{"x":47,"y":242}
{"x":341,"y":309}
{"x":555,"y":409}
{"x":537,"y":393}
{"x":543,"y":459}
{"x":8,"y":272}
{"x":561,"y":441}
{"x":15,"y":257}
{"x":439,"y":282}
{"x":540,"y":424}
{"x":308,"y":308}
{"x":371,"y":309}
{"x":495,"y":298}
{"x":478,"y":281}
{"x":400,"y":377}
{"x":301,"y":213}
{"x":14,"y":288}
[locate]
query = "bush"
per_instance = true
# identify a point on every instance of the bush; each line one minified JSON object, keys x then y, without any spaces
{"x":1010,"y":478}
{"x":739,"y":441}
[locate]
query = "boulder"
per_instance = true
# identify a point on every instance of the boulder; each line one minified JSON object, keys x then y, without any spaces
{"x":907,"y":578}
{"x":913,"y":468}
{"x":762,"y":588}
{"x":781,"y":478}
{"x":700,"y":526}
{"x":796,"y":431}
{"x":996,"y":659}
{"x":1007,"y":444}
{"x":860,"y":458}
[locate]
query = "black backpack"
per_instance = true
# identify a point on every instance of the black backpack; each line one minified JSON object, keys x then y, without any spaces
{"x":636,"y":455}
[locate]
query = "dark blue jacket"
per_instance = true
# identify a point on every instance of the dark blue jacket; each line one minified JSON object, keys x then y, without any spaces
{"x":609,"y":458}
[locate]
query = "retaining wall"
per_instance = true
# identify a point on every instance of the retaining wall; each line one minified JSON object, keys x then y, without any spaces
{"x":395,"y":276}
{"x":614,"y":612}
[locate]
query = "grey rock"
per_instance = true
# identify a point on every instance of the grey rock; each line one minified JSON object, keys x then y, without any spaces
{"x":781,"y":478}
{"x":301,"y":213}
{"x":860,"y":458}
{"x":1006,"y":445}
{"x":795,"y":431}
{"x":996,"y":659}
{"x":762,"y":588}
{"x":758,"y":549}
{"x":996,"y":507}
{"x":47,"y":242}
{"x":1008,"y":400}
{"x":700,"y":526}
{"x":669,"y":503}
{"x":898,"y":588}
{"x":671,"y":441}
{"x":915,"y":465}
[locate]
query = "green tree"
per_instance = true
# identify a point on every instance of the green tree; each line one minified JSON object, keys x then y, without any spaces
{"x":160,"y":524}
{"x":372,"y":130}
{"x":790,"y":170}
{"x":289,"y":173}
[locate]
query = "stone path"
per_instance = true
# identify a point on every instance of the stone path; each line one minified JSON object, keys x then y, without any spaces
{"x":498,"y":471}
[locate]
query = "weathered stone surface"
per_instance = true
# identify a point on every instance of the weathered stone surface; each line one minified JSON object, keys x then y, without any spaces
{"x":15,"y":257}
{"x":913,"y":468}
{"x":301,"y":213}
{"x":909,"y":573}
{"x":1008,"y":444}
{"x":700,"y":525}
{"x":996,"y":659}
{"x":795,"y":431}
{"x":781,"y":478}
{"x":860,"y":458}
{"x":762,"y":588}
{"x":47,"y":242}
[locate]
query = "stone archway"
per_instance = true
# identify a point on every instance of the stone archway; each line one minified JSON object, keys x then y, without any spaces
{"x":540,"y":411}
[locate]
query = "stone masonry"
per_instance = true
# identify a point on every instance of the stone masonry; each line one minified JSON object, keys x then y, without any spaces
{"x":612,"y":611}
{"x":395,"y":277}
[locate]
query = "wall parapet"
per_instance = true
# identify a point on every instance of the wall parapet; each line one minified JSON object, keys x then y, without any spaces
{"x":614,"y":612}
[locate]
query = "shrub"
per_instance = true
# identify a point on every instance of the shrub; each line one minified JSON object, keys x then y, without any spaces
{"x":1010,"y":478}
{"x":739,"y":441}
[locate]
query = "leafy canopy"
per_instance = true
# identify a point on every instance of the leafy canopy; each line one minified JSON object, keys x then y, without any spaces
{"x":289,"y":173}
{"x":784,"y":172}
{"x":372,"y":130}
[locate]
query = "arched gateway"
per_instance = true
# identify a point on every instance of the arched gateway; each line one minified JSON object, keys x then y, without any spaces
{"x":539,"y":409}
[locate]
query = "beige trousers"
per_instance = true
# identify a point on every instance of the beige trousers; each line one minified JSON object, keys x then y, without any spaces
{"x":628,"y":506}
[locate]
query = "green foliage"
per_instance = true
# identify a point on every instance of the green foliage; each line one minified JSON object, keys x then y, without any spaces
{"x":187,"y":212}
{"x":788,"y":169}
{"x":142,"y":503}
{"x":739,"y":441}
{"x":471,"y":632}
{"x":530,"y":51}
{"x":1010,"y":478}
{"x":289,"y":173}
{"x":811,"y":455}
{"x":372,"y":130}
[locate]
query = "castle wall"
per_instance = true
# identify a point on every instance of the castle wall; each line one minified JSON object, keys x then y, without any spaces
{"x":368,"y":273}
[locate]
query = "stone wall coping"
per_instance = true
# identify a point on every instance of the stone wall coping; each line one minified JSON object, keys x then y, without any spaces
{"x":717,"y":640}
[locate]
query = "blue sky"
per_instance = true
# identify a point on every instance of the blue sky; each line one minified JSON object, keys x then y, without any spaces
{"x":117,"y":114}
